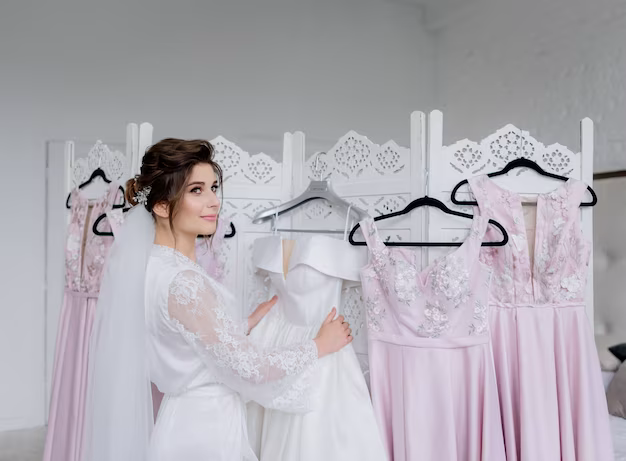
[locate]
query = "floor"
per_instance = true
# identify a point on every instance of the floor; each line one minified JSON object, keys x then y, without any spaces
{"x":24,"y":445}
{"x":27,"y":445}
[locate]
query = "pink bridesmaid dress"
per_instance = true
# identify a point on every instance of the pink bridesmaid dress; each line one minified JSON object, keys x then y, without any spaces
{"x":432,"y":379}
{"x":85,"y":254}
{"x":549,"y":381}
{"x":207,"y":256}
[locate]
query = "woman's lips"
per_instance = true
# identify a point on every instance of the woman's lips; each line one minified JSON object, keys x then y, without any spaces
{"x":210,"y":217}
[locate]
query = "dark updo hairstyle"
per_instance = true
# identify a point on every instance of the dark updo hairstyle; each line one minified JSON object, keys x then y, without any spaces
{"x":165,"y":169}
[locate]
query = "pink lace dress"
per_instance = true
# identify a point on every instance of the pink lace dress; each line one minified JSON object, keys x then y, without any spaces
{"x":432,"y":380}
{"x":551,"y":393}
{"x":85,"y":255}
{"x":207,"y":257}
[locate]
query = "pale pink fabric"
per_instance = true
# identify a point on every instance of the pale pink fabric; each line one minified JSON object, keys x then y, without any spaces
{"x":207,"y":256}
{"x":431,"y":368}
{"x":85,"y":254}
{"x":208,"y":251}
{"x":549,"y":380}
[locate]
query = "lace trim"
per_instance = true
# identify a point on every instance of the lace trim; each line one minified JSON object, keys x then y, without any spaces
{"x":180,"y":258}
{"x":229,"y":351}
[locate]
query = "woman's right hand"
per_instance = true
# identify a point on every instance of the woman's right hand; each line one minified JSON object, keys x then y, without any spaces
{"x":333,"y":335}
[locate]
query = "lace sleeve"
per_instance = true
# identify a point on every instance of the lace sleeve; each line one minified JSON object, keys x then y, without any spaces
{"x":274,"y":377}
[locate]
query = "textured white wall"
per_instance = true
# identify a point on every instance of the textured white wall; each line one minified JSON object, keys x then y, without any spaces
{"x":541,"y":65}
{"x":247,"y":70}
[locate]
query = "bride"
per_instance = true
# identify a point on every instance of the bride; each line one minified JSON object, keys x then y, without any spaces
{"x":161,"y":318}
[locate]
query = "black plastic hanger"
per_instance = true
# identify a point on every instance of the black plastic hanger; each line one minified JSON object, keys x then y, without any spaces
{"x":95,"y":230}
{"x":520,"y":163}
{"x":231,"y":234}
{"x":98,"y":172}
{"x":430,"y":201}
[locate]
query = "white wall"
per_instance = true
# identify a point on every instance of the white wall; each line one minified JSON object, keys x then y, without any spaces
{"x":542,"y":65}
{"x":247,"y":70}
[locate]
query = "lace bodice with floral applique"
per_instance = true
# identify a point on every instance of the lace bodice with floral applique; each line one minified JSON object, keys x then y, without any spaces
{"x":86,"y":252}
{"x":561,"y":253}
{"x":447,"y":299}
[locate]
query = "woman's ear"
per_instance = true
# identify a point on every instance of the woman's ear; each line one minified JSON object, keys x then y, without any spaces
{"x":161,"y":209}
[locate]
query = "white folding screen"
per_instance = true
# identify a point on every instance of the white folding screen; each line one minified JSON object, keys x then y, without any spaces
{"x":379,"y":178}
{"x":374,"y":177}
{"x":252,"y":183}
{"x":447,"y":165}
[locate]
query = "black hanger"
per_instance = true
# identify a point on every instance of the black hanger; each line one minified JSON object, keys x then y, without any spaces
{"x":98,"y":172}
{"x":430,"y":201}
{"x":230,"y":235}
{"x":110,"y":234}
{"x":519,"y":163}
{"x":94,"y":228}
{"x":232,"y":232}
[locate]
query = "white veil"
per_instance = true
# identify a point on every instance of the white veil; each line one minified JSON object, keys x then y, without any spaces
{"x":119,"y":418}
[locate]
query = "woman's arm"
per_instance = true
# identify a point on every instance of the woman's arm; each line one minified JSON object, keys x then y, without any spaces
{"x":274,"y":377}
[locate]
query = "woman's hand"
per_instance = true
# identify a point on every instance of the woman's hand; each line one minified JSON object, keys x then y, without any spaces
{"x":333,"y":334}
{"x":260,"y":312}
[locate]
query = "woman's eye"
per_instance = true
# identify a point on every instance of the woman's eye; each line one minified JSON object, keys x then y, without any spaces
{"x":214,"y":188}
{"x":196,"y":190}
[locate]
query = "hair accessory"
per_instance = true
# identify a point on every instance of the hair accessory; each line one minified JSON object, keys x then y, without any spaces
{"x":142,"y":195}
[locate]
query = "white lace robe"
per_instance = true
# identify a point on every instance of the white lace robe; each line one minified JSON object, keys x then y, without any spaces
{"x":201,"y":358}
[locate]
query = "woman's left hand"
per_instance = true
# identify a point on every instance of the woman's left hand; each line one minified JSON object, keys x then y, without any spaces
{"x":260,"y":312}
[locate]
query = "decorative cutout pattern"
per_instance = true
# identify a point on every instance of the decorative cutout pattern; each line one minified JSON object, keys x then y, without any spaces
{"x":508,"y":143}
{"x":467,"y":156}
{"x":388,"y":159}
{"x":241,"y":211}
{"x":352,"y":155}
{"x":317,"y":209}
{"x":113,"y":163}
{"x":228,"y":156}
{"x":558,"y":159}
{"x":504,"y":145}
{"x":241,"y":168}
{"x":261,"y":169}
{"x":355,"y":158}
{"x":352,"y":309}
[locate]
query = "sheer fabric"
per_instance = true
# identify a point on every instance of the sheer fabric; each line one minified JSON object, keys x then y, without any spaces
{"x":200,"y":357}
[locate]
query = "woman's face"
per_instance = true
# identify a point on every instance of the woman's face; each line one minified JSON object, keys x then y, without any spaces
{"x":199,"y":206}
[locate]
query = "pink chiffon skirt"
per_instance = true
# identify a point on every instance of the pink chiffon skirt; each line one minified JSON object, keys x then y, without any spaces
{"x":436,"y":399}
{"x":549,"y":381}
{"x":69,"y":380}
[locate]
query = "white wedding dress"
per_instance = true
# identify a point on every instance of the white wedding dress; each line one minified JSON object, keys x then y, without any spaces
{"x":341,"y":426}
{"x":199,"y":356}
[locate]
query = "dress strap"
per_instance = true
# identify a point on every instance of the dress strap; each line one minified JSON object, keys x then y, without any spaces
{"x":477,"y":234}
{"x":478,"y":187}
{"x":576,"y":192}
{"x":114,"y":192}
{"x":370,"y":233}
